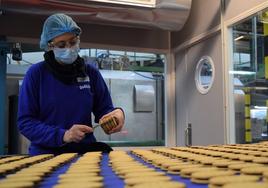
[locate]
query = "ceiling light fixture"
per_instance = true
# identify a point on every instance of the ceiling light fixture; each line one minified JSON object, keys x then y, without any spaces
{"x":261,"y":107}
{"x":239,"y":38}
{"x":141,"y":3}
{"x":242,"y":72}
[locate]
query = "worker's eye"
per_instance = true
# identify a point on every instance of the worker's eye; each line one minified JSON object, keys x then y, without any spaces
{"x":66,"y":44}
{"x":73,"y":43}
{"x":61,"y":44}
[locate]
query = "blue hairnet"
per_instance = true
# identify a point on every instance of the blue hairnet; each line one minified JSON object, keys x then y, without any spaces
{"x":55,"y":25}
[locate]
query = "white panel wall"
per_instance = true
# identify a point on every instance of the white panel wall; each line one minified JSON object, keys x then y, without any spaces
{"x":202,"y":35}
{"x":204,"y":16}
{"x":204,"y":112}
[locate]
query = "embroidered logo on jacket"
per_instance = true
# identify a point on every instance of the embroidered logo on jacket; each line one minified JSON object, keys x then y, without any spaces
{"x":84,"y":81}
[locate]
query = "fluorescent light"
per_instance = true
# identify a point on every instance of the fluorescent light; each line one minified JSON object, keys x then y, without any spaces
{"x":240,"y":37}
{"x":242,"y":72}
{"x":261,"y":107}
{"x":142,"y":3}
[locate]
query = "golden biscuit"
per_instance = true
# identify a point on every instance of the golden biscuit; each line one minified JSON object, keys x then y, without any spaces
{"x":141,"y":169}
{"x":230,"y":156}
{"x":167,"y":164}
{"x":255,"y":153}
{"x":80,"y":185}
{"x":160,"y":185}
{"x":16,"y":184}
{"x":238,"y":167}
{"x":222,"y":180}
{"x":82,"y":179}
{"x":261,"y":160}
{"x":246,"y":158}
{"x":246,"y":185}
{"x":186,"y":172}
{"x":207,"y":161}
{"x":255,"y":170}
{"x":73,"y":175}
{"x":203,"y":177}
{"x":139,"y":180}
{"x":225,"y":163}
{"x":177,"y":169}
{"x":138,"y":174}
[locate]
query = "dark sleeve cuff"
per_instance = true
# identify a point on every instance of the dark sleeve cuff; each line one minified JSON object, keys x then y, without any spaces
{"x":121,"y":110}
{"x":61,"y":135}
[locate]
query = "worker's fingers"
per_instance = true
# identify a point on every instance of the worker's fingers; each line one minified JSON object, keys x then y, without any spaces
{"x":116,"y":129}
{"x":86,"y":129}
{"x":119,"y":117}
{"x":77,"y":132}
{"x":117,"y":113}
{"x":110,"y":114}
{"x":80,"y":134}
{"x":83,"y":128}
{"x":106,"y":116}
{"x":77,"y":140}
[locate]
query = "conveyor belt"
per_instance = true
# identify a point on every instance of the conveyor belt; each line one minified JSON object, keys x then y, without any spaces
{"x":187,"y":182}
{"x":111,"y":180}
{"x":247,"y":154}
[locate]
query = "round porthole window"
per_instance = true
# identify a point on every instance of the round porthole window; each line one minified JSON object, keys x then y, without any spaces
{"x":204,"y":74}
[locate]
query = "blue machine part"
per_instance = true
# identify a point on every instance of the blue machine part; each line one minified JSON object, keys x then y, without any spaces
{"x":3,"y":65}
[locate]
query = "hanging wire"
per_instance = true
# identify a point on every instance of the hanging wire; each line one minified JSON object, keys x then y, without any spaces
{"x":28,"y":62}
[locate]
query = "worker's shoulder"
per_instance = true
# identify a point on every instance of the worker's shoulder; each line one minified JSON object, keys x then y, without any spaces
{"x":36,"y":68}
{"x":91,"y":69}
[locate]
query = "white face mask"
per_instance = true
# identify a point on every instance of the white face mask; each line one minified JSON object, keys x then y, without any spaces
{"x":66,"y":55}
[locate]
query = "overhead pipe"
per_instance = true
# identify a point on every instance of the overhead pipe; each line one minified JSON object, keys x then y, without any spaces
{"x":168,"y":15}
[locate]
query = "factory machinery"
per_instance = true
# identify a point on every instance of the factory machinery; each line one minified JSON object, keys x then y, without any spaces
{"x":197,"y":166}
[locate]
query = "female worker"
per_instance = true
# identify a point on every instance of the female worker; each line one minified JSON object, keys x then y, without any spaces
{"x":59,"y":94}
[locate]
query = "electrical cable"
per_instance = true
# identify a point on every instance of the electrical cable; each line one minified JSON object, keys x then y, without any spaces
{"x":9,"y":59}
{"x":28,"y":62}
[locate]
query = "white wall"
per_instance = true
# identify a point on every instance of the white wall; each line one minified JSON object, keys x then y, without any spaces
{"x":202,"y":35}
{"x":204,"y":16}
{"x":204,"y":112}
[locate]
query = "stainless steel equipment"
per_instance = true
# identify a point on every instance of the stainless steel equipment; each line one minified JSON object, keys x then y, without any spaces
{"x":165,"y":14}
{"x":143,"y":123}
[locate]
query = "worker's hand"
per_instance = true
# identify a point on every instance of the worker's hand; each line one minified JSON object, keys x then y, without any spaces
{"x":76,"y":133}
{"x":120,"y":119}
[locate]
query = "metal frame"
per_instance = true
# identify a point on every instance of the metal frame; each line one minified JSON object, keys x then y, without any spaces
{"x":170,"y":101}
{"x":198,"y":68}
{"x":3,"y":64}
{"x":226,"y":28}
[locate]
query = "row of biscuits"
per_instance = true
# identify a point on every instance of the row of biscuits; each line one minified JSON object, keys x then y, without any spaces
{"x":136,"y":174}
{"x":11,"y":158}
{"x":199,"y":173}
{"x":13,"y":166}
{"x":198,"y":155}
{"x":84,"y":172}
{"x":31,"y":175}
